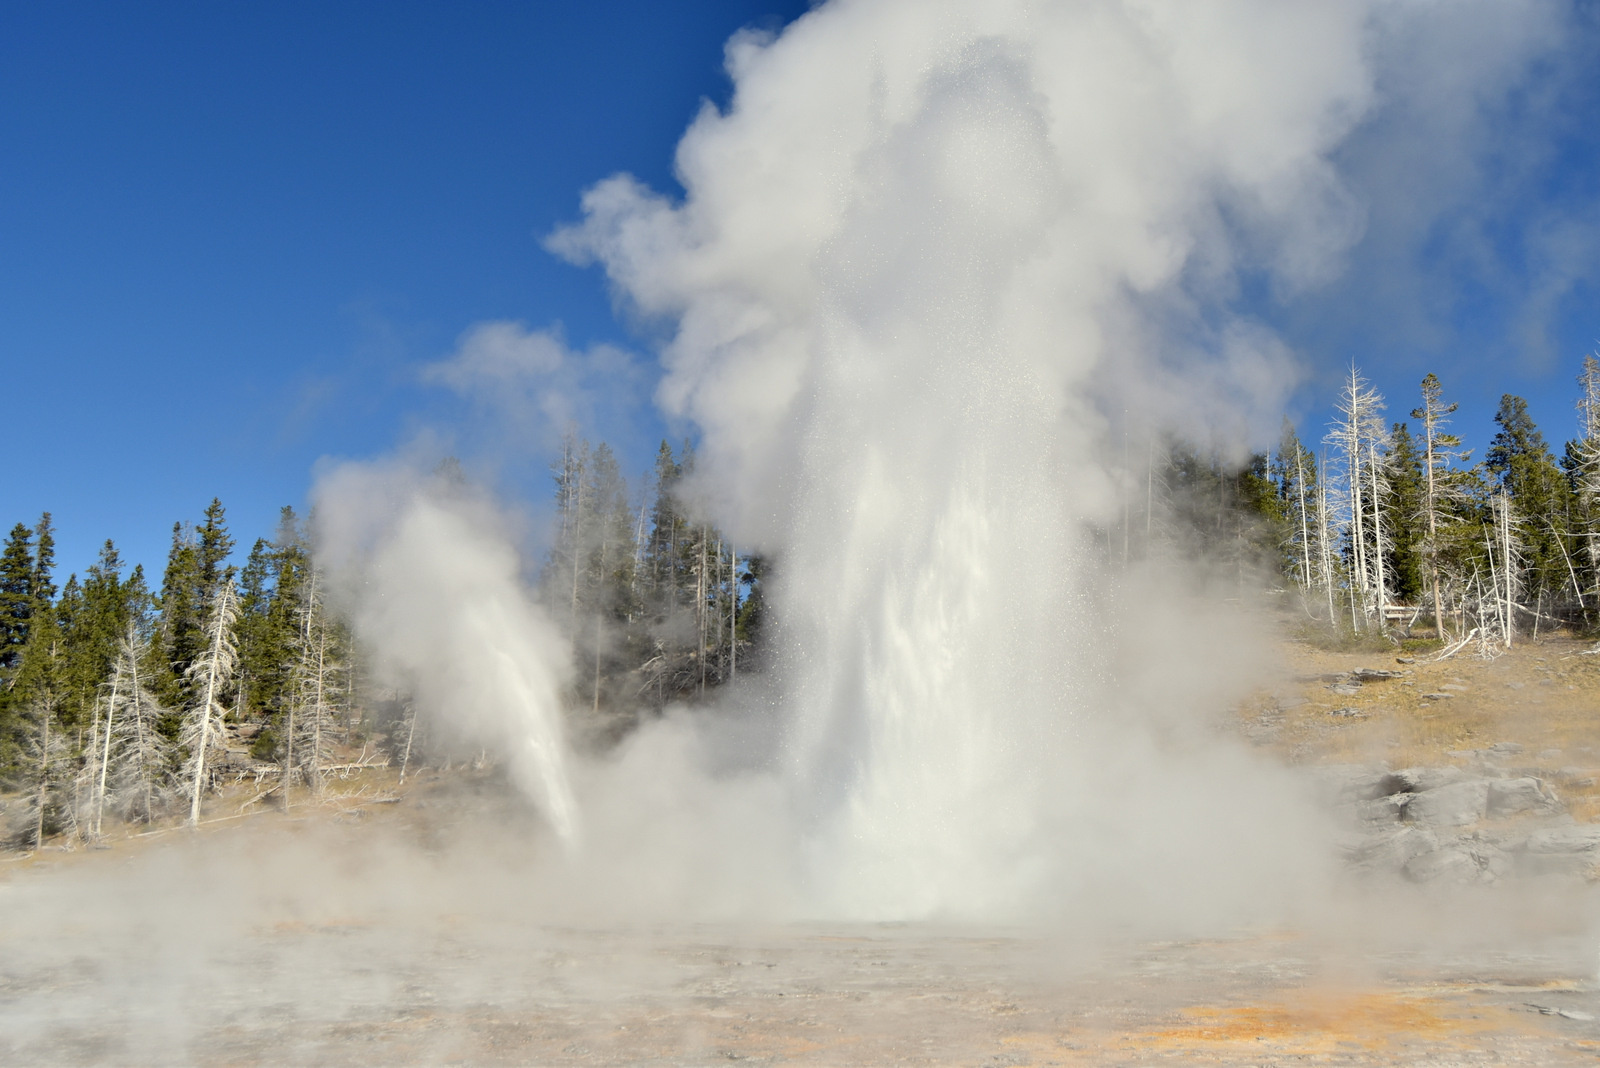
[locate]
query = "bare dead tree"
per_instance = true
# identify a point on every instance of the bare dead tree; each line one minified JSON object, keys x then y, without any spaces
{"x":140,"y":756}
{"x":210,"y":674}
{"x":315,"y":690}
{"x":1356,"y":436}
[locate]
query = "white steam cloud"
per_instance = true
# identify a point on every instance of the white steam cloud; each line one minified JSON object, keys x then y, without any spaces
{"x":532,"y":377}
{"x":926,"y":258}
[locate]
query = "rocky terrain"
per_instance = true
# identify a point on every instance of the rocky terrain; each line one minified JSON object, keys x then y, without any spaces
{"x":1464,"y":770}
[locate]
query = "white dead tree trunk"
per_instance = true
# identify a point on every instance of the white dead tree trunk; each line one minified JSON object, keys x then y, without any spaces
{"x":701,"y":580}
{"x":1509,"y":547}
{"x":733,"y":616}
{"x":575,"y":535}
{"x":1380,"y":541}
{"x":411,"y":734}
{"x":1589,"y":457}
{"x":47,"y":745}
{"x":1355,"y":436}
{"x":315,"y":685}
{"x":210,"y":673}
{"x":599,"y":606}
{"x":105,"y":755}
{"x":1307,"y":579}
{"x":1325,"y":540}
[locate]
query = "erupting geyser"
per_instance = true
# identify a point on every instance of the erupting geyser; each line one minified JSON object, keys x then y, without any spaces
{"x":924,"y":256}
{"x":907,"y":257}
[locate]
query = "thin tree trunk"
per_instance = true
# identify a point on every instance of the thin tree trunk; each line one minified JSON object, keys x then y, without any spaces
{"x":319,"y":713}
{"x":1380,"y":583}
{"x":205,"y":740}
{"x":1325,"y":540}
{"x":44,"y":777}
{"x":605,"y":546}
{"x":138,"y":728}
{"x":1358,"y":530}
{"x":1505,"y":523}
{"x":105,"y":756}
{"x":411,"y":732}
{"x":1127,"y":504}
{"x":1433,"y":528}
{"x":700,"y":607}
{"x":577,"y":554}
{"x":1149,"y":491}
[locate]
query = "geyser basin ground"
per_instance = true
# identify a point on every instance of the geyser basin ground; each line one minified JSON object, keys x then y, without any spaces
{"x":416,"y":933}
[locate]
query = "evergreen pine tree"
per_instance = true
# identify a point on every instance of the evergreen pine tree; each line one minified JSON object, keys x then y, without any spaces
{"x":213,"y":546}
{"x":16,"y":599}
{"x":44,"y":562}
{"x":180,"y":621}
{"x":1441,"y":490}
{"x":255,"y":652}
{"x":93,"y":616}
{"x":38,"y":742}
{"x":1403,"y":515}
{"x":1538,"y":498}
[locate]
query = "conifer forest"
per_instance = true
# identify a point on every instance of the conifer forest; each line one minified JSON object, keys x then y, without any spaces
{"x":126,"y":698}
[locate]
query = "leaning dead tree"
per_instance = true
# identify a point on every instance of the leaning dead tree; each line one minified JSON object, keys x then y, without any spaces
{"x":97,"y":757}
{"x":209,"y":675}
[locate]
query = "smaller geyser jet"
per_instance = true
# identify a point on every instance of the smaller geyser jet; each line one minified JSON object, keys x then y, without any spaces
{"x":436,"y":590}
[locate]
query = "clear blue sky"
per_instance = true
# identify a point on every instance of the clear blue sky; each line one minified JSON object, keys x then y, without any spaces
{"x":230,"y":233}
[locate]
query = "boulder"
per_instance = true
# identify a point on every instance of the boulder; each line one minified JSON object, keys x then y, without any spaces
{"x":1575,"y":777}
{"x":1509,"y":797}
{"x":1391,"y":852}
{"x":1453,"y":805}
{"x":1468,"y":859}
{"x":1570,"y":850}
